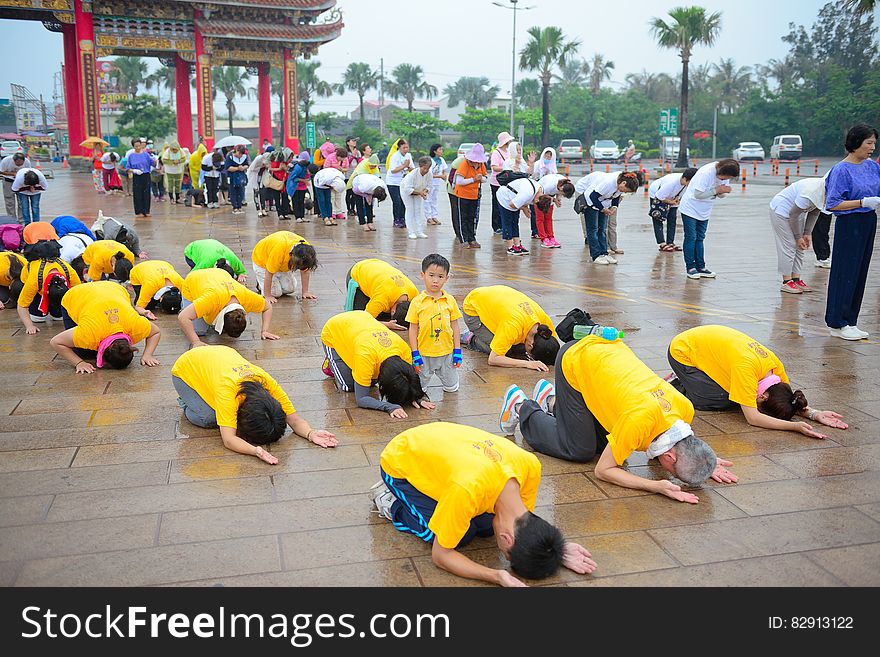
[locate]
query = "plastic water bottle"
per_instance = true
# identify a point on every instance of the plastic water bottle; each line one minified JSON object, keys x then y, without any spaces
{"x":608,"y":333}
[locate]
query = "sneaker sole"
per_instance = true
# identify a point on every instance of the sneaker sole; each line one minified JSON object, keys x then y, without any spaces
{"x":542,"y":392}
{"x":507,"y":405}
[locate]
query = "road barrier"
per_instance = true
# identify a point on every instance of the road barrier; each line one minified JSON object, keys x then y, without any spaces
{"x":786,"y":177}
{"x":647,"y":179}
{"x":744,"y":180}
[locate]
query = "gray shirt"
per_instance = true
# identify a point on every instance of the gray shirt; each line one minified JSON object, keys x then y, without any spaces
{"x":8,"y":167}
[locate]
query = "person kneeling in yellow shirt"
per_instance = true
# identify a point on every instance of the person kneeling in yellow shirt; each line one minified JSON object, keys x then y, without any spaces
{"x":218,"y":387}
{"x":447,"y":483}
{"x":276,"y":257}
{"x":608,"y":402}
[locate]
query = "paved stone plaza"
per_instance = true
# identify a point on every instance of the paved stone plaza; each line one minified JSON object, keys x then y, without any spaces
{"x":103,"y":483}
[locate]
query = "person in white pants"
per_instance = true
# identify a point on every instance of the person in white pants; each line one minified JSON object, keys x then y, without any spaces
{"x":414,"y":190}
{"x":793,"y":213}
{"x":439,"y":171}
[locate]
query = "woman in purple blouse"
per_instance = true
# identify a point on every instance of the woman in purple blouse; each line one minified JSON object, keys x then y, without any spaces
{"x":852,"y":193}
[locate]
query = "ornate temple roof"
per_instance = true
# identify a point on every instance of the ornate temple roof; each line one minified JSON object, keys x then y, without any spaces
{"x":303,"y":5}
{"x":316,"y":32}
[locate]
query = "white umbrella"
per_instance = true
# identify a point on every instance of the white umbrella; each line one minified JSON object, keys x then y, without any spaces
{"x":232,"y":140}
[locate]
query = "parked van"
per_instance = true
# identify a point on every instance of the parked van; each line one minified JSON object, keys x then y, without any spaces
{"x":786,"y":147}
{"x":669,"y":148}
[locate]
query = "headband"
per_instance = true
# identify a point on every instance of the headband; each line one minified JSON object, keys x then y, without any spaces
{"x":667,"y":440}
{"x":162,"y":291}
{"x":106,"y":342}
{"x":218,"y":322}
{"x":767,"y":382}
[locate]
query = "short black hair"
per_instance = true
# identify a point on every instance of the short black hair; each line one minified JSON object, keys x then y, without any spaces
{"x":728,"y":167}
{"x":398,"y":382}
{"x":783,"y":403}
{"x":260,"y":420}
{"x":234,"y":323}
{"x":545,"y":346}
{"x":313,"y":168}
{"x":435,"y":259}
{"x":122,"y":267}
{"x":31,"y":178}
{"x":689,"y":173}
{"x":79,"y":265}
{"x":433,"y":150}
{"x":857,"y":135}
{"x":380,"y":194}
{"x":567,"y":189}
{"x":18,"y":156}
{"x":57,"y":289}
{"x":225,"y":266}
{"x":400,"y":312}
{"x":538,"y":547}
{"x":304,"y":257}
{"x":171,"y":300}
{"x":119,"y":354}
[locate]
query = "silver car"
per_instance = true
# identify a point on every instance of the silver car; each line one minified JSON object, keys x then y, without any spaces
{"x":748,"y":150}
{"x":605,"y":150}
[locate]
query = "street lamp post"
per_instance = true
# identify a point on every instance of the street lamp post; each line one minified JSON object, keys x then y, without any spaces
{"x":514,"y":7}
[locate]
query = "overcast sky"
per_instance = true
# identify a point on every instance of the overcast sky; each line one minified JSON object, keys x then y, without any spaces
{"x":452,"y":38}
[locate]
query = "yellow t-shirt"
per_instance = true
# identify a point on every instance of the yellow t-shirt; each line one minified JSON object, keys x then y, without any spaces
{"x":5,"y":278}
{"x":216,"y":373}
{"x":383,"y":284}
{"x":97,"y":256}
{"x":363,"y":343}
{"x":210,"y":290}
{"x":30,"y":276}
{"x":623,"y":394}
{"x":272,"y":253}
{"x":434,"y":317}
{"x":100,"y":309}
{"x":464,"y":469}
{"x":508,"y":313}
{"x":151,"y":275}
{"x":733,"y":360}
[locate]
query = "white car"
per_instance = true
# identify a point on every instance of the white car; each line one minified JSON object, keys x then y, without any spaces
{"x":604,"y":149}
{"x":10,"y":148}
{"x":465,"y":147}
{"x":748,"y":150}
{"x":786,"y":147}
{"x":570,"y":150}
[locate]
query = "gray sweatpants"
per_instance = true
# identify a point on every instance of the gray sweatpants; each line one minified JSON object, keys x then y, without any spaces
{"x":11,"y":201}
{"x":444,"y":369}
{"x":194,"y":407}
{"x":482,"y":336}
{"x":787,"y":230}
{"x":571,"y":433}
{"x":695,"y":384}
{"x":611,"y":232}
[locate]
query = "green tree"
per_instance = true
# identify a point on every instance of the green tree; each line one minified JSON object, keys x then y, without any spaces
{"x":528,"y":93}
{"x":689,"y":27}
{"x":861,"y":6}
{"x":232,"y":82}
{"x":310,"y":87}
{"x":419,"y":128}
{"x":164,"y":76}
{"x":367,"y":135}
{"x":130,"y":72}
{"x":546,"y":49}
{"x":144,"y":116}
{"x":574,"y":73}
{"x":730,"y":84}
{"x":360,"y":78}
{"x":658,"y":87}
{"x":324,"y":121}
{"x":482,"y":125}
{"x":407,"y":82}
{"x":472,"y":91}
{"x":600,"y":70}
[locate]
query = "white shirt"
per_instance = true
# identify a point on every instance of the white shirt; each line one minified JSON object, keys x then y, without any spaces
{"x":397,"y":160}
{"x":9,"y":168}
{"x":208,"y":160}
{"x":441,"y":169}
{"x":520,"y":193}
{"x":667,"y":187}
{"x":705,"y":180}
{"x":365,"y":184}
{"x":73,"y":245}
{"x":18,"y":183}
{"x":782,"y":204}
{"x":605,"y":184}
{"x":544,"y":168}
{"x":414,"y":182}
{"x":106,"y":163}
{"x":325,"y":177}
{"x":584,"y":183}
{"x":550,"y":183}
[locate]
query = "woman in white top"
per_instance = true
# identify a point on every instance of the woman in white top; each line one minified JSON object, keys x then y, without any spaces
{"x":793,"y":214}
{"x":513,"y":198}
{"x":546,"y":164}
{"x":439,"y":171}
{"x":108,"y":167}
{"x":212,"y":163}
{"x":602,"y":192}
{"x":399,"y":164}
{"x":368,"y":187}
{"x":327,"y":181}
{"x":414,"y":190}
{"x":709,"y":183}
{"x":664,"y":195}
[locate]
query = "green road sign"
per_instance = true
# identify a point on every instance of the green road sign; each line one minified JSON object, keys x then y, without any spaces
{"x":311,"y":140}
{"x":669,"y":122}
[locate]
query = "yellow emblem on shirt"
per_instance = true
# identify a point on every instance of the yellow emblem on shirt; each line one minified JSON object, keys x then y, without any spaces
{"x":112,"y":315}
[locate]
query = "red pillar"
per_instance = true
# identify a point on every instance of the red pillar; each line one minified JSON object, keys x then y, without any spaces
{"x":291,"y":122}
{"x":72,"y":93}
{"x":264,"y":94}
{"x":184,"y":108}
{"x":85,"y":40}
{"x":204,"y":94}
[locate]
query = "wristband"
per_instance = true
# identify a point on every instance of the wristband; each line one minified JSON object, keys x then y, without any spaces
{"x":456,"y":356}
{"x":812,"y":414}
{"x":417,"y":360}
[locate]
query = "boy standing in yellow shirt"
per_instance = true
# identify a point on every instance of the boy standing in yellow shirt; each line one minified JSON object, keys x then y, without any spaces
{"x":434,"y":335}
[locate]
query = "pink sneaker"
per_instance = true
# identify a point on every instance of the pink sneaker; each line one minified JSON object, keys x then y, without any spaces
{"x":547,"y":243}
{"x":556,"y":245}
{"x":803,"y":286}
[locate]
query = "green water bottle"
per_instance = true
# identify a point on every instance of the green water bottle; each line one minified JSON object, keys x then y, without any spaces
{"x":608,"y":333}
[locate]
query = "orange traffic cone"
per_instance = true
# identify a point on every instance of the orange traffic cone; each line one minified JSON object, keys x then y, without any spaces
{"x":64,"y":164}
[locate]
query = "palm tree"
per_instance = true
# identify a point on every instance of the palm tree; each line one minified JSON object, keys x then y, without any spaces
{"x":658,"y":87}
{"x":546,"y":49}
{"x":781,"y":70}
{"x":130,"y":72}
{"x":689,"y":27}
{"x":574,"y":73}
{"x":360,"y":78}
{"x":407,"y":82}
{"x":309,"y":87}
{"x":164,"y":76}
{"x":600,"y":70}
{"x":861,"y":6}
{"x":528,"y":91}
{"x":231,"y":81}
{"x":474,"y":92}
{"x":731,"y":83}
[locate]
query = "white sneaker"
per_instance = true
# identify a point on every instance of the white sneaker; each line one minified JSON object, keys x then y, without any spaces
{"x":509,"y":416}
{"x":383,"y":498}
{"x":847,"y":333}
{"x":611,"y":259}
{"x":412,"y":236}
{"x":39,"y":319}
{"x":543,"y":391}
{"x":602,"y":260}
{"x":864,"y":334}
{"x":422,"y":236}
{"x":824,"y":264}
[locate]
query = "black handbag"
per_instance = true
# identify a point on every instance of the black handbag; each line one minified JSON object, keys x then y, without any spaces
{"x":574,"y":317}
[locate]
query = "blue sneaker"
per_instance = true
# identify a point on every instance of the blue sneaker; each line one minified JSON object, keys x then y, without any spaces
{"x":543,"y":391}
{"x":509,"y":416}
{"x":706,"y":273}
{"x":693,"y":273}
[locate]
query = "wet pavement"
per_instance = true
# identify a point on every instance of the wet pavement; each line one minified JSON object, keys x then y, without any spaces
{"x":103,"y":483}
